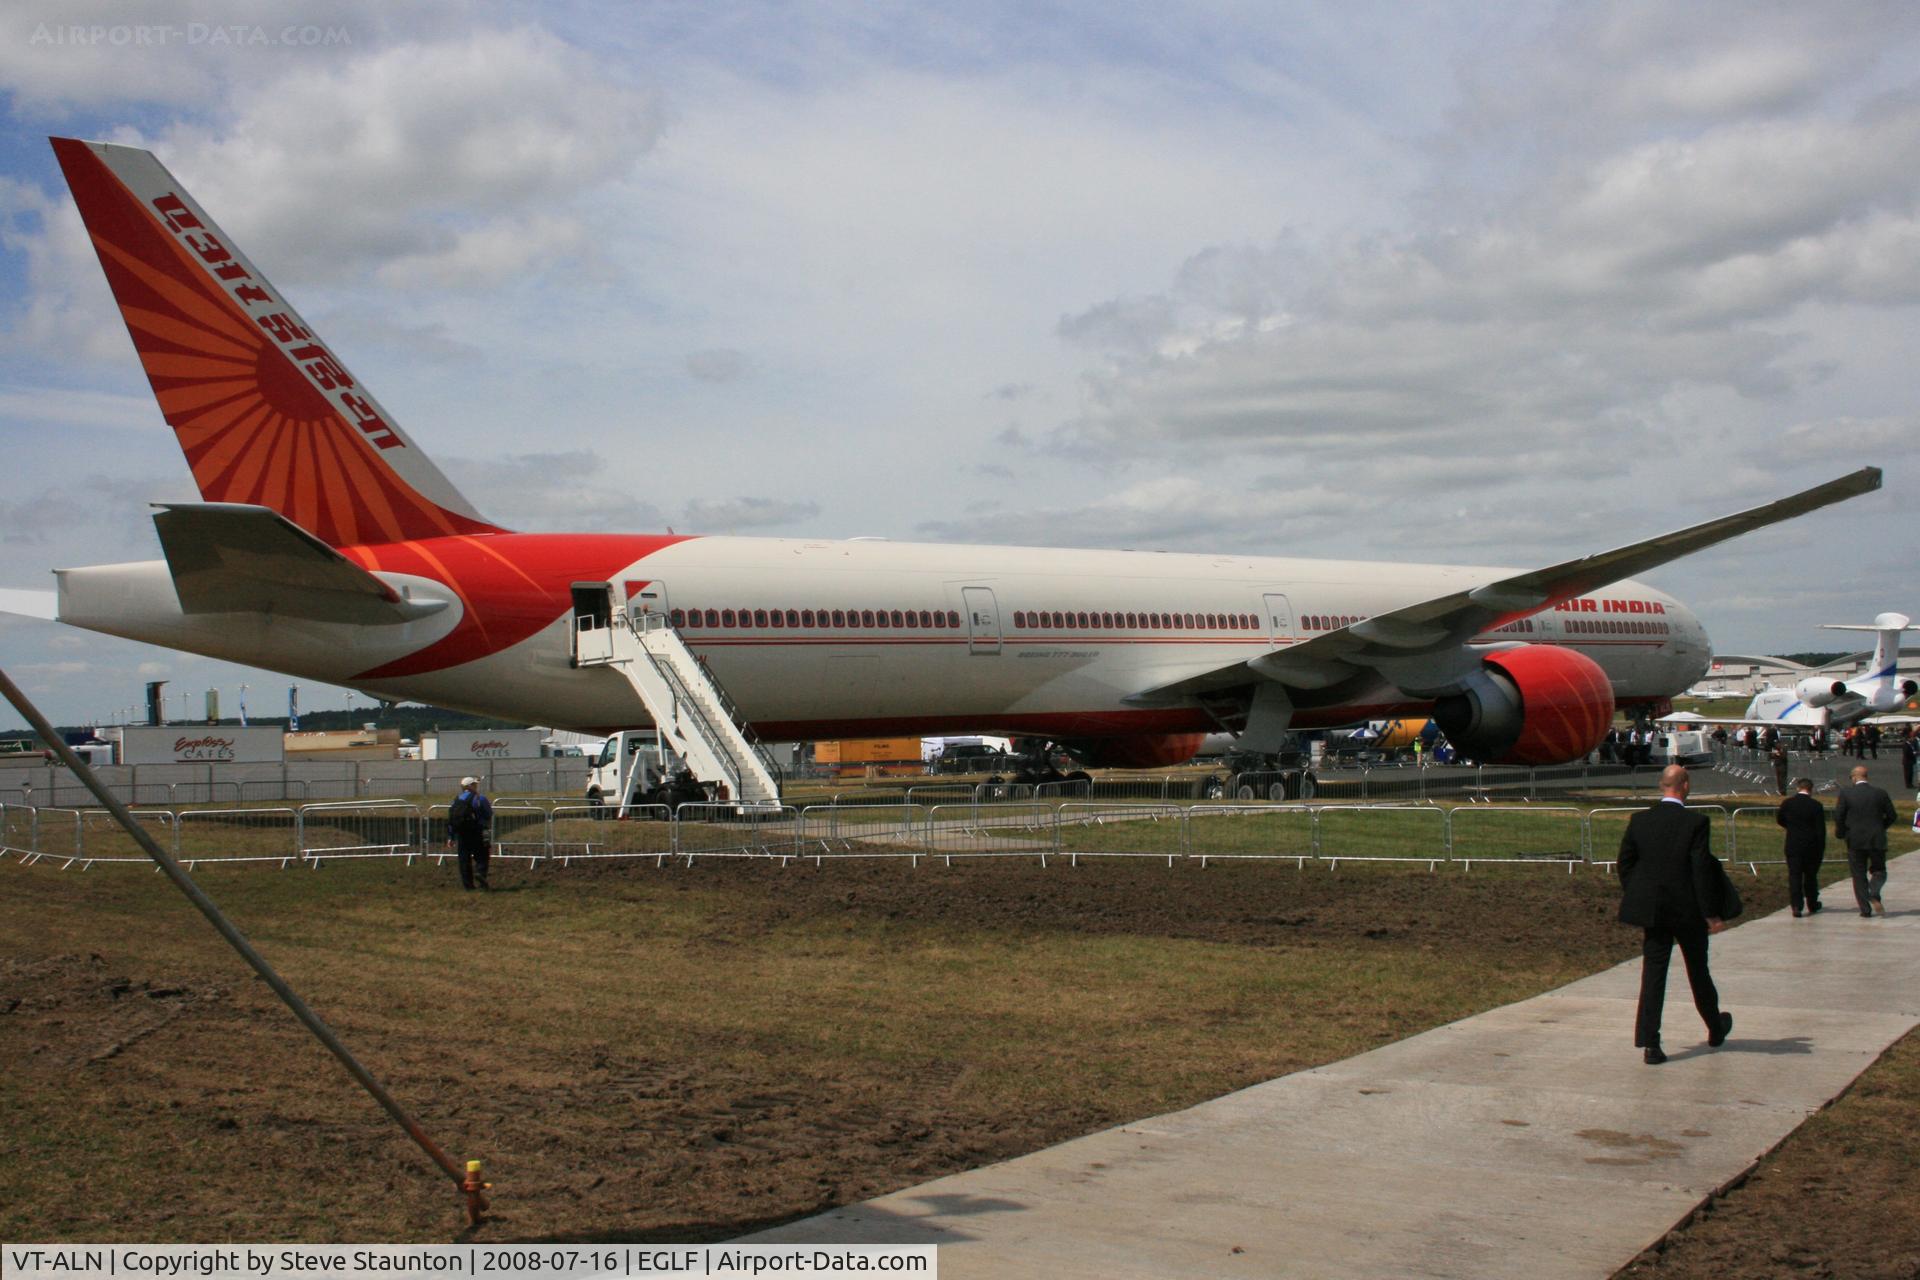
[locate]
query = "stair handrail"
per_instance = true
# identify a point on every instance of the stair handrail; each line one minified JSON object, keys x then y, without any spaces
{"x":649,"y":620}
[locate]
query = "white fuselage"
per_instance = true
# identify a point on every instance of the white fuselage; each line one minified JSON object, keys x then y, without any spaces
{"x":975,"y":638}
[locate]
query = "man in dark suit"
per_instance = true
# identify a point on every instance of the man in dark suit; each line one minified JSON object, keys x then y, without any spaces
{"x":1861,"y":815}
{"x":1805,"y":820}
{"x":1670,"y":886}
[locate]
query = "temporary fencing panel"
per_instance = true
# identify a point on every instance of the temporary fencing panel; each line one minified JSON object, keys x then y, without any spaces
{"x":1381,"y":833}
{"x":734,"y":831}
{"x":1392,"y":784}
{"x":1510,"y":833}
{"x":601,"y":831}
{"x":862,"y":831}
{"x":16,"y":828}
{"x":1122,"y":831}
{"x":237,"y":835}
{"x":1722,"y":827}
{"x":998,"y":831}
{"x":1758,"y":838}
{"x":941,"y":793}
{"x":1605,"y":826}
{"x":102,"y":838}
{"x":1249,"y":831}
{"x":1128,"y":789}
{"x":519,"y":831}
{"x":373,"y":829}
{"x":1341,"y":786}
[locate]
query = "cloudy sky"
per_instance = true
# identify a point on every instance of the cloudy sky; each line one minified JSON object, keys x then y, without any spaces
{"x":1495,"y":283}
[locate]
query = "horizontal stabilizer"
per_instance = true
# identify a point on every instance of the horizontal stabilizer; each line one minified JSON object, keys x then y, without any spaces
{"x":234,"y":558}
{"x":28,"y":604}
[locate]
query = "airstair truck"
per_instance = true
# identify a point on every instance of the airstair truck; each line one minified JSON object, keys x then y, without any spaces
{"x":635,"y":774}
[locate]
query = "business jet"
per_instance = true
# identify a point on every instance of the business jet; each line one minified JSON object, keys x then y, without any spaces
{"x":1823,"y":702}
{"x":329,"y":546}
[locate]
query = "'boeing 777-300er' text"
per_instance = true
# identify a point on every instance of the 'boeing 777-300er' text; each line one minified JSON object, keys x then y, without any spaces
{"x":328,"y":546}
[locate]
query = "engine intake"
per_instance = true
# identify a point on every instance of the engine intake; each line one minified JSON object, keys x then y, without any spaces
{"x":1531,"y":705}
{"x":1818,"y":691}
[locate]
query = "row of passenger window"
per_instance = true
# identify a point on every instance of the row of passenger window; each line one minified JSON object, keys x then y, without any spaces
{"x":1328,"y":621}
{"x":1617,"y":626}
{"x":1060,"y":620}
{"x":838,"y":619}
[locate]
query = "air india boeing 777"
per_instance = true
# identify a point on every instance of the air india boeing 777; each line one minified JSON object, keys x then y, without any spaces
{"x":330,"y":547}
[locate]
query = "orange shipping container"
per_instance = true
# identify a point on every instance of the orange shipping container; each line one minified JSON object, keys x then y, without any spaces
{"x":867,"y":751}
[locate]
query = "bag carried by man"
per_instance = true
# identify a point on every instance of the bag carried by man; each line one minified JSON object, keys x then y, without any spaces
{"x":461,"y":817}
{"x":1729,"y":897}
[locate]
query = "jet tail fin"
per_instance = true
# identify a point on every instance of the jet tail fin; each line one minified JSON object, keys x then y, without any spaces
{"x":1887,"y":629}
{"x":264,"y":411}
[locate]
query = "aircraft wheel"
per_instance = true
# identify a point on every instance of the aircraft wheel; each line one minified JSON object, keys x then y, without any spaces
{"x":1278,"y":791}
{"x":1305,"y":786}
{"x":1245,"y":792}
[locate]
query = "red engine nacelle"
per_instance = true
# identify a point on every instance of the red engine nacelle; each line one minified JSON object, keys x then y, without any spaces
{"x":1141,"y":751}
{"x":1530,"y":705}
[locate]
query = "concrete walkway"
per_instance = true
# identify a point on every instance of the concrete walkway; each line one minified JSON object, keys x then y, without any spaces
{"x":1529,"y":1141}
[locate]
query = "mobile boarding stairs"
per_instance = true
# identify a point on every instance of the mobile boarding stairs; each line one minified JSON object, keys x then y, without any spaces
{"x":697,"y":720}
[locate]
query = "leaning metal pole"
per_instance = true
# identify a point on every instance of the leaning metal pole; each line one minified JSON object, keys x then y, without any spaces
{"x":236,"y":939}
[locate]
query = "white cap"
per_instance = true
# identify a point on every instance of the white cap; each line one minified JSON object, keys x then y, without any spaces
{"x":469,"y":783}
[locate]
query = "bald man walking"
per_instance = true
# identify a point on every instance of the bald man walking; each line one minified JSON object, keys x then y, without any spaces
{"x":1861,"y":815}
{"x":1670,"y":886}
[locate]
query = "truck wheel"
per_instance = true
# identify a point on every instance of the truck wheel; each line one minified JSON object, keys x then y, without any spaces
{"x":1245,"y":792}
{"x":598,"y":804}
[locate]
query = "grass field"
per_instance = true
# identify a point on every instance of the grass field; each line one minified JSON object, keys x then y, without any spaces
{"x":674,"y":1053}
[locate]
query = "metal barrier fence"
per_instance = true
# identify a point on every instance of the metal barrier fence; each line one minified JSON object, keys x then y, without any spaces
{"x":237,"y":835}
{"x":361,"y":829}
{"x":324,"y":831}
{"x":173,"y":785}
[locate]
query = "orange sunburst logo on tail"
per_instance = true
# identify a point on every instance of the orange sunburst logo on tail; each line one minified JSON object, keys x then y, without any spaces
{"x":263,"y":411}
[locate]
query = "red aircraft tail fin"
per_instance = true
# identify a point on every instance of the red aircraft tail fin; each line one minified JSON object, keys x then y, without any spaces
{"x":263,"y":410}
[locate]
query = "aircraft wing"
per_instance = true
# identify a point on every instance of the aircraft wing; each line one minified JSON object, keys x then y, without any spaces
{"x":1422,"y":648}
{"x":233,"y":558}
{"x":28,"y":604}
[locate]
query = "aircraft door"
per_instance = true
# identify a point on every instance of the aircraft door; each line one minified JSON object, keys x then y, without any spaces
{"x":592,"y":622}
{"x":646,"y":597}
{"x":1279,"y":614}
{"x":983,"y":619}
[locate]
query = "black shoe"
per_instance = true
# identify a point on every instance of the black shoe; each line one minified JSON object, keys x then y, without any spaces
{"x":1813,"y":907}
{"x":1798,"y":914}
{"x":1719,"y":1037}
{"x":1866,"y":915}
{"x":1653,"y":1057}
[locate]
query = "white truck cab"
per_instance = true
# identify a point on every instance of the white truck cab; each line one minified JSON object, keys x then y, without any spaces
{"x":634,"y":768}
